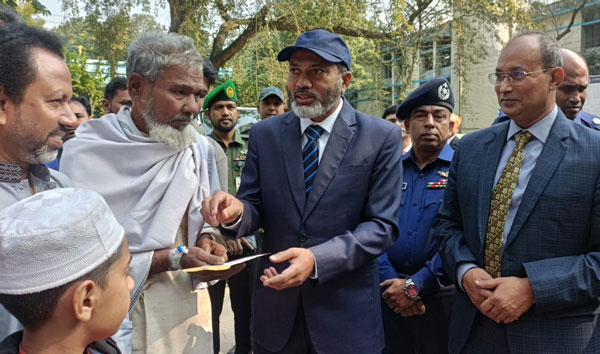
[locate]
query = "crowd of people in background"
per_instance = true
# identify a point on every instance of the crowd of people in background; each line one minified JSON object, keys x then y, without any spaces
{"x":373,"y":235}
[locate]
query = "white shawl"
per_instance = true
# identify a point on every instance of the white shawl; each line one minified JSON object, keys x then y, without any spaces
{"x":147,"y":184}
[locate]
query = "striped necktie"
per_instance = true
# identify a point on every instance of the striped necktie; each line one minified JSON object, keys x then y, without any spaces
{"x":310,"y":154}
{"x":501,"y":198}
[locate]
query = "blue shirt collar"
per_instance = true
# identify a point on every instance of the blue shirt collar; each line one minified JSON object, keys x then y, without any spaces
{"x":445,"y":155}
{"x":540,"y":130}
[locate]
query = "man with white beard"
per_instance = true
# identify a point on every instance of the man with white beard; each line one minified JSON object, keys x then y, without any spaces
{"x":324,"y":182}
{"x":154,"y":170}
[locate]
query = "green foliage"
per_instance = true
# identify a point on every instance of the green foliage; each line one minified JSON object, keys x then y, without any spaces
{"x":90,"y":85}
{"x":593,"y":59}
{"x":37,"y":7}
{"x":29,"y":12}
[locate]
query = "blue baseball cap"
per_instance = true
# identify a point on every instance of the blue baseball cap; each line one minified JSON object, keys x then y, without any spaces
{"x":270,"y":91}
{"x":325,"y":44}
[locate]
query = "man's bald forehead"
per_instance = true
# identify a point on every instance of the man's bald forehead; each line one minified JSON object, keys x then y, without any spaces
{"x":572,"y":58}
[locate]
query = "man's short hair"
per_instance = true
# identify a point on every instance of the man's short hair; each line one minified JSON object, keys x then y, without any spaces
{"x":549,"y":49}
{"x":118,"y":83}
{"x":17,"y":66}
{"x":33,"y":310}
{"x":9,"y":15}
{"x":84,"y":102}
{"x":390,"y":110}
{"x":210,"y":72}
{"x":150,"y":53}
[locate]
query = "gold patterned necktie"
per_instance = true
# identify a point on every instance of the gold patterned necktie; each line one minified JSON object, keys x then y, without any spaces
{"x":501,"y":198}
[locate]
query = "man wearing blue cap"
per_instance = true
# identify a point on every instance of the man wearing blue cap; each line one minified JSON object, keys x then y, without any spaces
{"x":416,"y":312}
{"x":270,"y":102}
{"x":324,"y":182}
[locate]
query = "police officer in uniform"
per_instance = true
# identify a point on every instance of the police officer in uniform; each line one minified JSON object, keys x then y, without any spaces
{"x":417,"y":302}
{"x":220,"y":106}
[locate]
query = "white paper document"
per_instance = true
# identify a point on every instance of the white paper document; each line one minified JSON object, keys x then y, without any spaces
{"x":225,"y":265}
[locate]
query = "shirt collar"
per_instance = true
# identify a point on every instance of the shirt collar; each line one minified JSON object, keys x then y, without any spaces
{"x":326,"y":124}
{"x":539,"y":130}
{"x":446,"y":154}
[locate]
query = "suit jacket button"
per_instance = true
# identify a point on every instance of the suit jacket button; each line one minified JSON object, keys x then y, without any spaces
{"x":303,"y":237}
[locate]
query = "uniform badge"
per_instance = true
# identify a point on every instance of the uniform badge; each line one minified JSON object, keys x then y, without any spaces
{"x":437,"y":185}
{"x":443,"y":173}
{"x":444,"y":91}
{"x":229,"y":92}
{"x":404,"y":185}
{"x":596,"y":121}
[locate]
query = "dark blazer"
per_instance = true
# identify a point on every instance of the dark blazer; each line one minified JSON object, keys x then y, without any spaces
{"x":554,"y":239}
{"x":349,"y":219}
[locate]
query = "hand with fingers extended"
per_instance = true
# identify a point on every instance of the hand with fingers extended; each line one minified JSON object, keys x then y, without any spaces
{"x":511,"y":298}
{"x":396,"y":299}
{"x":236,"y":247}
{"x":221,"y":208}
{"x":302,"y":264}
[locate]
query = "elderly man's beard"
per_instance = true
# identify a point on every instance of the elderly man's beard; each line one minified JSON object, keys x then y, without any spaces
{"x":164,"y":133}
{"x":35,"y":152}
{"x":320,"y":106}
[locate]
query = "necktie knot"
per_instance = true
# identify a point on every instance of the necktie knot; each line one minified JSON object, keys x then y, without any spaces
{"x":522,"y":138}
{"x":314,"y":132}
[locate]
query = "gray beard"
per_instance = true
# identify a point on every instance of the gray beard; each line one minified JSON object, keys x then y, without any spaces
{"x":30,"y":153}
{"x":166,"y":134}
{"x":320,"y":106}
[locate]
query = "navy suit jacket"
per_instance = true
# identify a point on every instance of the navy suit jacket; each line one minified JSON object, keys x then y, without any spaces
{"x":348,"y":220}
{"x":554,"y":239}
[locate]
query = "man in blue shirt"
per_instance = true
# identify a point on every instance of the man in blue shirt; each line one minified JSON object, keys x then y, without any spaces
{"x":416,"y":311}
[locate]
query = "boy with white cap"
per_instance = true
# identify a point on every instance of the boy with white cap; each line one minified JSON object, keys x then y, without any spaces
{"x":70,"y":290}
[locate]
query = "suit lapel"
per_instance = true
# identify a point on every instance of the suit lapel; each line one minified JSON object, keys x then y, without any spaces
{"x":492,"y":151}
{"x":291,"y":147}
{"x":551,"y":156}
{"x":337,"y":144}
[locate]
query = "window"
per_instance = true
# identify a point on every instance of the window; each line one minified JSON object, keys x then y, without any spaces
{"x":591,"y":33}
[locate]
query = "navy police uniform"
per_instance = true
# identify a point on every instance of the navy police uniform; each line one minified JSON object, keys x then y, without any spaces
{"x":415,"y":254}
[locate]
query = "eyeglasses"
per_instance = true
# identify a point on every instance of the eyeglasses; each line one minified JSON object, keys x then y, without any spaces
{"x":514,"y":77}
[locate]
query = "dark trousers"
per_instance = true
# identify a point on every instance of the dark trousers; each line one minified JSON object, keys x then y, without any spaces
{"x":299,"y":342}
{"x":425,"y":334}
{"x":240,"y":294}
{"x":486,"y":336}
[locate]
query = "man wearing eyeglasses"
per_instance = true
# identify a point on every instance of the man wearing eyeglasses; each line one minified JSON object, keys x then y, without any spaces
{"x":571,"y":93}
{"x":519,"y":229}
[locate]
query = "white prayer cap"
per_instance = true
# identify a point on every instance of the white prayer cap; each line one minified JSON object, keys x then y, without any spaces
{"x":54,"y":237}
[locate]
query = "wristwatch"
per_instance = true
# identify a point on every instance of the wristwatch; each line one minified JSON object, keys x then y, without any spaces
{"x":411,"y":290}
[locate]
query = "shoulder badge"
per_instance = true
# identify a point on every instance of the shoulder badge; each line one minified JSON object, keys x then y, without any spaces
{"x":596,"y":121}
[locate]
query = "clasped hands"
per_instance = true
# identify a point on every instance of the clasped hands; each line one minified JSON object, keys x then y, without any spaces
{"x":502,"y":299}
{"x":397,"y":300}
{"x":223,"y":208}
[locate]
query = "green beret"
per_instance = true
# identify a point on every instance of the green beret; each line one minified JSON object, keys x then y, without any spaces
{"x":224,"y":92}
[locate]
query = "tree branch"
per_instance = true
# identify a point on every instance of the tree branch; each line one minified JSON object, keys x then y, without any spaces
{"x":421,"y":6}
{"x":568,"y":29}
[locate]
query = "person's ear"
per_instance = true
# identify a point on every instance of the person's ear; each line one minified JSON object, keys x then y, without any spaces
{"x":346,"y":78}
{"x":136,"y":85}
{"x":451,"y":125}
{"x":85,"y":298}
{"x":106,"y":106}
{"x":406,"y":123}
{"x":5,"y":101}
{"x":557,"y":75}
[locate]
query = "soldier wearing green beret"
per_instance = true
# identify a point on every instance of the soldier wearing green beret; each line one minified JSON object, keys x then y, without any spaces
{"x":220,"y":106}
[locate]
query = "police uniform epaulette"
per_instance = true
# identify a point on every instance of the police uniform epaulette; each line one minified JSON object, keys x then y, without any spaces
{"x":590,"y":120}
